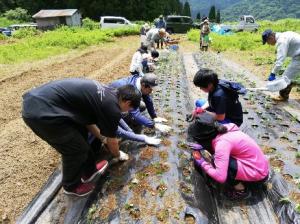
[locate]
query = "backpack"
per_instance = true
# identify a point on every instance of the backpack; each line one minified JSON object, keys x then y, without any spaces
{"x":233,"y":88}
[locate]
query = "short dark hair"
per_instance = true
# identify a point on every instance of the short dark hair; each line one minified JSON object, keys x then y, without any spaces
{"x":154,"y":54}
{"x":204,"y":129}
{"x":204,"y":77}
{"x":129,"y":93}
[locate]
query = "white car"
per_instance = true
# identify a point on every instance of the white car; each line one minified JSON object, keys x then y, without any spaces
{"x":114,"y":22}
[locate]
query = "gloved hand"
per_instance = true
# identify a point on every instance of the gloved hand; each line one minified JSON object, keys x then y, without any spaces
{"x":191,"y":117}
{"x":160,"y":120}
{"x":152,"y":140}
{"x":200,"y":102}
{"x":272,"y":77}
{"x":198,"y":110}
{"x":123,"y":156}
{"x":198,"y":159}
{"x":195,"y":146}
{"x":162,"y":128}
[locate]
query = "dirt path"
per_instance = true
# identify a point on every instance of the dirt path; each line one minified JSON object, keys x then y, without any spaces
{"x":25,"y":160}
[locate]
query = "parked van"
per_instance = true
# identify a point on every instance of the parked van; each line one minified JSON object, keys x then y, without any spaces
{"x":180,"y":24}
{"x":114,"y":22}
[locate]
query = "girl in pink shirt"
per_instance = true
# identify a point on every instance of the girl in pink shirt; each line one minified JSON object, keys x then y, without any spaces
{"x":238,"y":160}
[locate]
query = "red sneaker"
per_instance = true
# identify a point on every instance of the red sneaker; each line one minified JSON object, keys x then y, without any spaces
{"x":101,"y":167}
{"x":81,"y":190}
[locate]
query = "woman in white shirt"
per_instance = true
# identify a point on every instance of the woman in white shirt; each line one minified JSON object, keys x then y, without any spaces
{"x":136,"y":66}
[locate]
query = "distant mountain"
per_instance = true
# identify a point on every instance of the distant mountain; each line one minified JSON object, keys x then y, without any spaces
{"x":231,"y":10}
{"x":203,"y":6}
{"x":263,"y":9}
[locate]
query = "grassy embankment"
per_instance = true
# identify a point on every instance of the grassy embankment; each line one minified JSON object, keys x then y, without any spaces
{"x":31,"y":44}
{"x":246,"y":46}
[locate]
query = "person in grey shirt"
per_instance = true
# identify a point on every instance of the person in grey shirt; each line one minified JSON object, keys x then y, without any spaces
{"x":153,"y":36}
{"x":287,"y":45}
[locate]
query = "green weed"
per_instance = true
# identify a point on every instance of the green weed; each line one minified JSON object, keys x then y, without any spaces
{"x":246,"y":41}
{"x":34,"y":46}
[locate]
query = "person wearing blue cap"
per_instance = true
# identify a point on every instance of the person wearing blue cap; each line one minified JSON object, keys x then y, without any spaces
{"x":287,"y":45}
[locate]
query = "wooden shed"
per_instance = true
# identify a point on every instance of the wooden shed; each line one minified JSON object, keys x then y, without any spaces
{"x":49,"y":19}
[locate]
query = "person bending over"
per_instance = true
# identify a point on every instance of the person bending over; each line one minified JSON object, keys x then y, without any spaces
{"x":287,"y":45}
{"x":63,"y":112}
{"x":145,"y":86}
{"x":237,"y":162}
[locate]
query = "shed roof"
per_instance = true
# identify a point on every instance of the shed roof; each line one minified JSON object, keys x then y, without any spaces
{"x":54,"y":13}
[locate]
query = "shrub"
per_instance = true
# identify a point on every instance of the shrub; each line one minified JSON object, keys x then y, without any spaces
{"x":89,"y":24}
{"x":3,"y":37}
{"x":25,"y":32}
{"x":4,"y":22}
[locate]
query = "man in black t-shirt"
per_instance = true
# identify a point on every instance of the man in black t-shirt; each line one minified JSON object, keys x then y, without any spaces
{"x":225,"y":107}
{"x":62,"y":112}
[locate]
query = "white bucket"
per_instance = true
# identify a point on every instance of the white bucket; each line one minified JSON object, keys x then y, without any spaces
{"x":275,"y":86}
{"x":278,"y":84}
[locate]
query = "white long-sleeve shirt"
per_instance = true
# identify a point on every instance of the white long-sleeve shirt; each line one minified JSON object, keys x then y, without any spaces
{"x":287,"y":45}
{"x":136,"y":63}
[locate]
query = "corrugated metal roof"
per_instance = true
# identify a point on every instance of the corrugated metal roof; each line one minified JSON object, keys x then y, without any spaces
{"x":54,"y":13}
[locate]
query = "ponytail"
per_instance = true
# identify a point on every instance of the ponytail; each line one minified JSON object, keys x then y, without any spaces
{"x":221,"y":129}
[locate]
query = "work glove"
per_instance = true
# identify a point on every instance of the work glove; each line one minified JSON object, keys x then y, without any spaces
{"x":200,"y":102}
{"x":162,"y":128}
{"x":123,"y":156}
{"x":195,"y":146}
{"x":198,"y":159}
{"x":152,"y":140}
{"x":198,"y":110}
{"x":272,"y":77}
{"x":191,"y":117}
{"x":160,"y":120}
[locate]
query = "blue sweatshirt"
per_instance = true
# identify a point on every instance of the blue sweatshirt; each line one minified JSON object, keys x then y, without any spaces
{"x":123,"y":131}
{"x":136,"y":114}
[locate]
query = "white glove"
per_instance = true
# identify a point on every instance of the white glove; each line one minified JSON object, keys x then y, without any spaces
{"x":162,"y":128}
{"x":123,"y":156}
{"x":160,"y":120}
{"x":152,"y":140}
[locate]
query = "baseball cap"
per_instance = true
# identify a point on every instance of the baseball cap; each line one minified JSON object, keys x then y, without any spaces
{"x":265,"y":35}
{"x":149,"y":79}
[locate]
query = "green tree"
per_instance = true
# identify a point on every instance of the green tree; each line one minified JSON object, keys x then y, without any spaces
{"x":186,"y":9}
{"x":212,"y":14}
{"x":198,"y":16}
{"x":17,"y":14}
{"x":218,"y":16}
